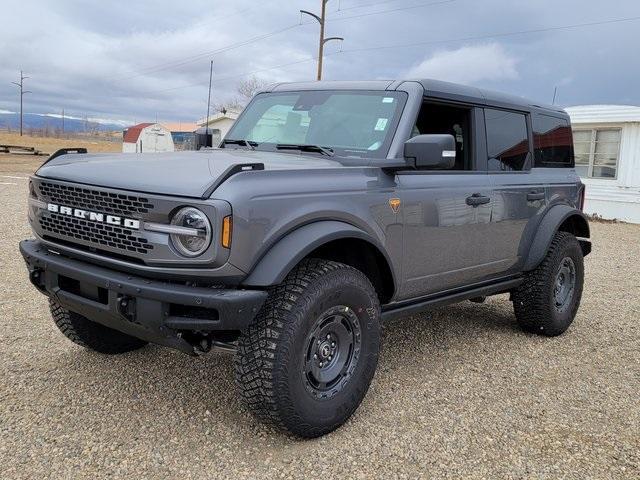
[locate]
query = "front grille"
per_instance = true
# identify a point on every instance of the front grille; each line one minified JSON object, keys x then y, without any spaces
{"x":95,"y":200}
{"x":95,"y":233}
{"x":80,"y":216}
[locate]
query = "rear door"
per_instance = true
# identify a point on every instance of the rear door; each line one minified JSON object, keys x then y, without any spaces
{"x":553,"y":157}
{"x":519,"y":192}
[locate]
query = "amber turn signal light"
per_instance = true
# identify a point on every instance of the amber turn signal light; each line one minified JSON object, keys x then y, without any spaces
{"x":227,"y":226}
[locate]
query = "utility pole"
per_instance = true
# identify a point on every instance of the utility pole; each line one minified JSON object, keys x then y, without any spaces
{"x":206,"y":121}
{"x":63,"y":122}
{"x":22,"y":92}
{"x":321,"y":20}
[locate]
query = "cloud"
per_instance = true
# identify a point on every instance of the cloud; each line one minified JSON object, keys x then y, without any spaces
{"x":468,"y":65}
{"x":143,"y":65}
{"x":138,"y":61}
{"x":565,"y":81}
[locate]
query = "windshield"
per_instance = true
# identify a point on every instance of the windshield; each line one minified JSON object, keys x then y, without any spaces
{"x":351,"y":123}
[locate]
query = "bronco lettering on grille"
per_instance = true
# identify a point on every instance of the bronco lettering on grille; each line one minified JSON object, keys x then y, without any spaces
{"x":94,"y":216}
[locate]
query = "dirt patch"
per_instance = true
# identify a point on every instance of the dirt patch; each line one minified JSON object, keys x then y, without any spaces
{"x":460,"y":392}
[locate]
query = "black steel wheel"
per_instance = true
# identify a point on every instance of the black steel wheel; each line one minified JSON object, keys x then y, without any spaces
{"x":547,"y":301}
{"x":307,"y":362}
{"x":332,"y":353}
{"x":565,"y":284}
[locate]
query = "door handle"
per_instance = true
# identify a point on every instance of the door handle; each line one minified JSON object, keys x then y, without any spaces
{"x":533,"y":196}
{"x":477,"y":199}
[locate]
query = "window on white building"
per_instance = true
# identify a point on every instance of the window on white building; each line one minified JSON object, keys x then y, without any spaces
{"x":597,"y":152}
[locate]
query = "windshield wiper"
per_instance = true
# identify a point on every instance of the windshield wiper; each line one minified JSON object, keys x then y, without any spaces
{"x":305,"y":148}
{"x":241,"y":141}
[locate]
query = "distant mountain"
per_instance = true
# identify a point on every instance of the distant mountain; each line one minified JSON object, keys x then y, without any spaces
{"x":41,"y":121}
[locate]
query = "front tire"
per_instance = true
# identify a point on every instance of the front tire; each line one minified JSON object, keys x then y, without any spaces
{"x":306,"y":362}
{"x":547,"y":301}
{"x":92,"y":335}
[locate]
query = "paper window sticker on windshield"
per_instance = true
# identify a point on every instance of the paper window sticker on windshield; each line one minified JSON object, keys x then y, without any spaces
{"x":387,"y":100}
{"x":375,"y":146}
{"x":381,"y":124}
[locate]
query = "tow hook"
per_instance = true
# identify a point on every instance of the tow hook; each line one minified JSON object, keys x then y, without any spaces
{"x":206,"y":344}
{"x":203,"y":346}
{"x":478,"y":299}
{"x":37,"y":278}
{"x":127,"y":307}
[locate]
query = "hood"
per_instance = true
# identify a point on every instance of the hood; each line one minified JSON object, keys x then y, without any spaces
{"x":187,"y":174}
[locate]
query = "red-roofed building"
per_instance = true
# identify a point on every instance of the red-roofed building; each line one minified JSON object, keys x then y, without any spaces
{"x":147,"y":137}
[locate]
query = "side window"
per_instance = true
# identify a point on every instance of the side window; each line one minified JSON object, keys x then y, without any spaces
{"x":507,"y":140}
{"x":456,"y":121}
{"x":597,"y":152}
{"x":552,"y":142}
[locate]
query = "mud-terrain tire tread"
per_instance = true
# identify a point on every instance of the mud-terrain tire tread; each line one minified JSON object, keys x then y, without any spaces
{"x":92,"y":335}
{"x":260,"y":380}
{"x":532,"y":300}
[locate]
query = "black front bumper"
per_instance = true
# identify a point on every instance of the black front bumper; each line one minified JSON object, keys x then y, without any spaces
{"x":156,"y":311}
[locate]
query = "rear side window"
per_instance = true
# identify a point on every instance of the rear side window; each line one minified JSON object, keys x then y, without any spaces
{"x":552,"y":143}
{"x":507,"y":140}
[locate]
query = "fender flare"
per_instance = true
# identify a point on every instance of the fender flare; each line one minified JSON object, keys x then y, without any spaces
{"x":287,"y":252}
{"x":548,"y":227}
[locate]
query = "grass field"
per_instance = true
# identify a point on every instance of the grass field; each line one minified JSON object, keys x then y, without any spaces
{"x":29,"y":163}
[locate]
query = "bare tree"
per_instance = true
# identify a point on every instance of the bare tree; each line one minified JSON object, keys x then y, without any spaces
{"x":245,"y":90}
{"x":249,"y":87}
{"x":233,"y":104}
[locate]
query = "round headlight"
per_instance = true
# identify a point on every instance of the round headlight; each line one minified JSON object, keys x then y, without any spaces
{"x":196,"y":236}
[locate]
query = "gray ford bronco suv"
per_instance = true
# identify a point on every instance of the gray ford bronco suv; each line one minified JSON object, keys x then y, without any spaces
{"x":328,"y":207}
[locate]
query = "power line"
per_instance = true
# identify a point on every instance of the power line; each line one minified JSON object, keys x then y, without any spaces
{"x":22,"y":92}
{"x":322,"y":20}
{"x":399,"y":9}
{"x":431,"y":42}
{"x":365,"y":5}
{"x":224,"y":17}
{"x":193,"y":58}
{"x":239,"y":75}
{"x":495,"y":35}
{"x":216,"y":19}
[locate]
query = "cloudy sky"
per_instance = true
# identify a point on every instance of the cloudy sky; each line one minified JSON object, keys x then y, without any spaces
{"x":142,"y":60}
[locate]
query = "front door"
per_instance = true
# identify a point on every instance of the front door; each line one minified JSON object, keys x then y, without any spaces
{"x":446,"y":221}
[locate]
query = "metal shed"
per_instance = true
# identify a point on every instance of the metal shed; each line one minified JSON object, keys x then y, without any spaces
{"x":147,"y":137}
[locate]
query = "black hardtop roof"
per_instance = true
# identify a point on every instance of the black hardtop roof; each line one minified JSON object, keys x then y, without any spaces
{"x":436,"y":89}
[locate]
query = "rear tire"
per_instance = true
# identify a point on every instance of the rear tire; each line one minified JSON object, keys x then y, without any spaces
{"x":306,"y":362}
{"x":547,"y":301}
{"x":92,"y":335}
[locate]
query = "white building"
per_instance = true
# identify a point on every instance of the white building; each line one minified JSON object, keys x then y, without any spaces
{"x":607,"y":150}
{"x":147,"y":137}
{"x":219,"y":124}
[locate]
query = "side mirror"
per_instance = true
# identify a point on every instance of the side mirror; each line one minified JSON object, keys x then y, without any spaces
{"x":436,"y":152}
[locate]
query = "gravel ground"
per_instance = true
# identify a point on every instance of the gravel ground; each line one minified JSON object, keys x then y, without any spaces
{"x":460,"y":392}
